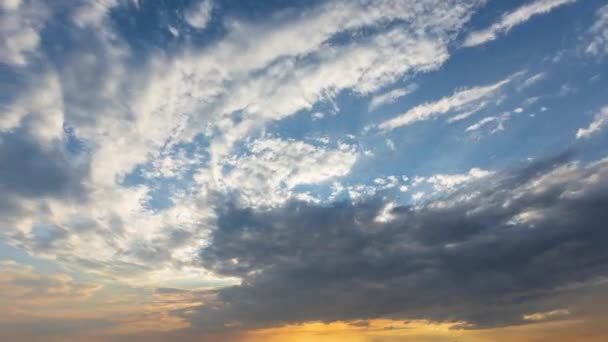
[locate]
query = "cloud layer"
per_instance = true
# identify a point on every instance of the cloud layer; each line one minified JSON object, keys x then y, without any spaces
{"x":539,"y":229}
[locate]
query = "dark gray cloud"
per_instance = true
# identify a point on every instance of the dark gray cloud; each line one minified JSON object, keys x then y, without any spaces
{"x":486,"y":254}
{"x":29,"y":169}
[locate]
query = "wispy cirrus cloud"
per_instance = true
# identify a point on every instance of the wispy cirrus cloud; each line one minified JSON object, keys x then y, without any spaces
{"x":598,"y":46}
{"x":600,"y":121}
{"x":512,"y":19}
{"x":391,"y":96}
{"x":460,"y":101}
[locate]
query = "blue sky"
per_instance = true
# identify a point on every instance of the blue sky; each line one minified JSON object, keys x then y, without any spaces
{"x":137,"y":137}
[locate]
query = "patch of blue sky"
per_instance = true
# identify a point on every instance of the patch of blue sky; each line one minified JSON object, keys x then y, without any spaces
{"x":18,"y":255}
{"x":164,"y":187}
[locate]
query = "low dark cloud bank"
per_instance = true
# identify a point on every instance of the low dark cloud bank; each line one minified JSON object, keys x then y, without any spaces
{"x":486,"y":254}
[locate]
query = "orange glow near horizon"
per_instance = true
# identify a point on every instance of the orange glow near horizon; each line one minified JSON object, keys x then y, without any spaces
{"x":385,"y":330}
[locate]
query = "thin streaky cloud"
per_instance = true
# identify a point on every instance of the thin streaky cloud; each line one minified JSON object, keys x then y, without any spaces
{"x":391,"y":96}
{"x":430,"y":110}
{"x":600,"y":121}
{"x":512,"y":19}
{"x":598,"y":46}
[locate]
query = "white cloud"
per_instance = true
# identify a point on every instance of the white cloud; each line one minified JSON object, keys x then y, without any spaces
{"x":512,"y":19}
{"x":532,"y":80}
{"x":599,"y":43}
{"x":129,"y":117}
{"x":460,"y":100}
{"x":20,"y":25}
{"x":481,"y":123}
{"x":10,"y":5}
{"x":199,"y":14}
{"x":174,"y":31}
{"x":543,"y":316}
{"x":445,"y":182}
{"x":463,"y":115}
{"x":499,"y":120}
{"x":267,"y":174}
{"x":39,"y":110}
{"x":92,"y":13}
{"x":386,"y":213}
{"x":600,"y":121}
{"x":289,"y":85}
{"x":417,"y":196}
{"x":391,"y":96}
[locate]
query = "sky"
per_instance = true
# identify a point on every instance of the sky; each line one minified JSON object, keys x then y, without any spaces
{"x":323,"y":170}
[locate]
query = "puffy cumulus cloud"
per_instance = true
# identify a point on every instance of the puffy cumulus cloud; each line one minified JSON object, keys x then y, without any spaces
{"x":468,"y":100}
{"x":268,"y":172}
{"x":443,"y":182}
{"x":598,"y":45}
{"x":512,"y":19}
{"x":600,"y":120}
{"x":457,"y":258}
{"x":20,"y":26}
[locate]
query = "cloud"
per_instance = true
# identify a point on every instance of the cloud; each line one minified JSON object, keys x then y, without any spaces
{"x":92,"y":13}
{"x":31,"y":170}
{"x":600,"y":120}
{"x":532,"y":80}
{"x":543,"y":316}
{"x":498,"y":120}
{"x":20,"y":26}
{"x":457,"y":258}
{"x":599,"y":30}
{"x":391,"y":96}
{"x":512,"y":19}
{"x":444,"y":182}
{"x":270,"y":170}
{"x":23,"y":285}
{"x":460,"y":100}
{"x":199,"y":14}
{"x":34,"y":161}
